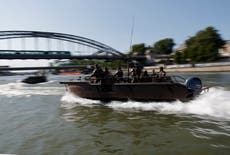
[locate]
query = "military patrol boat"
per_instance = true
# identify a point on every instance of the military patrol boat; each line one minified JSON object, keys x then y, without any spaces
{"x":170,"y":88}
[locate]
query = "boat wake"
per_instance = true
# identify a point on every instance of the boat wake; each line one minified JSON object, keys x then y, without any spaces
{"x":22,"y":89}
{"x":214,"y":103}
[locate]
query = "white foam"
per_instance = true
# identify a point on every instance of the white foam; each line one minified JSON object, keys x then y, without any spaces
{"x":70,"y":101}
{"x":215,"y":103}
{"x":22,"y":89}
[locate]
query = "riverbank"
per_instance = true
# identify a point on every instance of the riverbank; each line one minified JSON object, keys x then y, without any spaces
{"x":195,"y":69}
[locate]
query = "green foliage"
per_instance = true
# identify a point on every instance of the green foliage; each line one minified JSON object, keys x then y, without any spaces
{"x":164,"y":46}
{"x":138,"y":49}
{"x":109,"y":64}
{"x":204,"y":45}
{"x":179,"y":58}
{"x":114,"y":64}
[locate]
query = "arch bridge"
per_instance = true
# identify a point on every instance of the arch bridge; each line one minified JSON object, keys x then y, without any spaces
{"x":39,"y":45}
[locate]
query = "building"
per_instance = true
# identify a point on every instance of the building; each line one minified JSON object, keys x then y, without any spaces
{"x":225,"y":51}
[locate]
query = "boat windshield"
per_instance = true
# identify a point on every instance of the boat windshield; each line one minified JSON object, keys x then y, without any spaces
{"x":178,"y":79}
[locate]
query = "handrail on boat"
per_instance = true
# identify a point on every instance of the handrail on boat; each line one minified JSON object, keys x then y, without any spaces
{"x":174,"y":78}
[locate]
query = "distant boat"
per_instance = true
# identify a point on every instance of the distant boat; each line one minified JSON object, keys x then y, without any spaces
{"x":35,"y":79}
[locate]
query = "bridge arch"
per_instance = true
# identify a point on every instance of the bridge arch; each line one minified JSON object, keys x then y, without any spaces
{"x":100,"y":47}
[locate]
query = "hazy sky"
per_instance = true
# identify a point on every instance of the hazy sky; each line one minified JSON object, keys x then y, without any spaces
{"x":110,"y":21}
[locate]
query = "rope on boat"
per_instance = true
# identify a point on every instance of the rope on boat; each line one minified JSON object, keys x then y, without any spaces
{"x":204,"y":90}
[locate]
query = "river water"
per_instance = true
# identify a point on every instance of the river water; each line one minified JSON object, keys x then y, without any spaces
{"x":44,"y":119}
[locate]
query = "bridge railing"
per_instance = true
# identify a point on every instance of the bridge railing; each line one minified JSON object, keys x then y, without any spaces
{"x":31,"y":52}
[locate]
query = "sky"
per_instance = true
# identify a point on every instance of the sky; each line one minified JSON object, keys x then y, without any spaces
{"x":110,"y":21}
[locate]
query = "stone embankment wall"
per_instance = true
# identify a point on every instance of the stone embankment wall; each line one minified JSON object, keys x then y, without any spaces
{"x":206,"y":67}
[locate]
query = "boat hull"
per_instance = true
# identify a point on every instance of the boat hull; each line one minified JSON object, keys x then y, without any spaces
{"x":158,"y":91}
{"x":35,"y":79}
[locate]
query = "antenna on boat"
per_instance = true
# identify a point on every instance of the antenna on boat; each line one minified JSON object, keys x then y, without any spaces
{"x":131,"y":42}
{"x":131,"y":37}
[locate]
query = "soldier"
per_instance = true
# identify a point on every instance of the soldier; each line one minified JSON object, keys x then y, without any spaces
{"x":97,"y":73}
{"x":145,"y":76}
{"x":161,"y":73}
{"x":118,"y":75}
{"x":106,"y":72}
{"x":136,"y":73}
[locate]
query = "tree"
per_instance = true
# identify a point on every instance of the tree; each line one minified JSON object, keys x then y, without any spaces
{"x":164,"y":46}
{"x":204,"y":45}
{"x":138,"y":49}
{"x":179,"y":58}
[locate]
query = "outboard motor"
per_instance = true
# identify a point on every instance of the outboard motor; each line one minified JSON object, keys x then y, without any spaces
{"x":194,"y":84}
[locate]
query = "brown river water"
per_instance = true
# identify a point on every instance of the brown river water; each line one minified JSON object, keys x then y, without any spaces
{"x":45,"y":119}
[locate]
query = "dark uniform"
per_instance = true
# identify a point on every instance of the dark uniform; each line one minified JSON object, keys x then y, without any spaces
{"x":97,"y":73}
{"x":119,"y":74}
{"x":161,"y":73}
